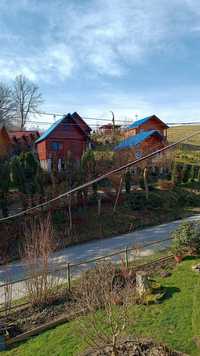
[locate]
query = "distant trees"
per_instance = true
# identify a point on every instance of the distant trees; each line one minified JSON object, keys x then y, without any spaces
{"x":18,"y":101}
{"x":26,"y":99}
{"x":6,"y":106}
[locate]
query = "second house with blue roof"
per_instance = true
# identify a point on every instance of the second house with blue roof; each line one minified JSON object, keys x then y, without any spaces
{"x":142,"y":137}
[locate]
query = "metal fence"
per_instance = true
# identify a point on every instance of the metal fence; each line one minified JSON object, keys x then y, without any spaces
{"x":15,"y":292}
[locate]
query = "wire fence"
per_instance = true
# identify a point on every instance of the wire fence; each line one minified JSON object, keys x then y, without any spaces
{"x":14,"y":293}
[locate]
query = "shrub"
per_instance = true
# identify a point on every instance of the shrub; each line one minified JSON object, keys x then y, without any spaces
{"x":186,"y":238}
{"x":42,"y":285}
{"x":94,"y":285}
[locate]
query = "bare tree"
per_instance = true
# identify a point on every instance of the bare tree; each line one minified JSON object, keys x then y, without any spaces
{"x":27,"y":99}
{"x":6,"y":106}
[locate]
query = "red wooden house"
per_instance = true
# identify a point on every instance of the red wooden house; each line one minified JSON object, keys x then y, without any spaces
{"x":148,"y":123}
{"x":69,"y":134}
{"x":107,"y":129}
{"x":142,"y":137}
{"x":23,"y":141}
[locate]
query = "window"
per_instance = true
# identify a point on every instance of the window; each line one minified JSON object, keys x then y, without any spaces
{"x":56,"y":146}
{"x":138,"y":154}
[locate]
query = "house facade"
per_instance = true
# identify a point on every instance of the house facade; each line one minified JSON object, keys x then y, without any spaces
{"x":108,"y":129}
{"x":147,"y":124}
{"x":141,"y":138}
{"x":71,"y":134}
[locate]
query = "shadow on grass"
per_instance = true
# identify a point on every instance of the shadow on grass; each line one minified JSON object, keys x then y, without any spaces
{"x":191,"y":258}
{"x":170,"y":291}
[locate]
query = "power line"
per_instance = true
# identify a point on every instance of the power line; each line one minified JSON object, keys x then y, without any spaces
{"x":54,"y":114}
{"x":98,"y":179}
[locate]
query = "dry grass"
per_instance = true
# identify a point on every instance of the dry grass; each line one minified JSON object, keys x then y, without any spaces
{"x":177,"y":132}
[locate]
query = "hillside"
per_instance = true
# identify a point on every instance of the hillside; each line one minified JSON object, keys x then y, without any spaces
{"x":177,"y":132}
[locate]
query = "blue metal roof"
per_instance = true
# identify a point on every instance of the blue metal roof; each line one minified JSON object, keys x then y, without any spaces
{"x":50,"y":130}
{"x":136,"y":139}
{"x":139,"y":122}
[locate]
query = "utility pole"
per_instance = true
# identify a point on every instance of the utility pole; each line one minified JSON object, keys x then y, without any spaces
{"x":113,"y":123}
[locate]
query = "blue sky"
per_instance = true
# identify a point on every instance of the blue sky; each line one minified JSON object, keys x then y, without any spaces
{"x":92,"y":56}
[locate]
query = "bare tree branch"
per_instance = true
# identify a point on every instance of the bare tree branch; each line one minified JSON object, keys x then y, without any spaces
{"x":6,"y":106}
{"x":27,"y":99}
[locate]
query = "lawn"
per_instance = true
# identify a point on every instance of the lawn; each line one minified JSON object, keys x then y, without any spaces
{"x":169,"y":322}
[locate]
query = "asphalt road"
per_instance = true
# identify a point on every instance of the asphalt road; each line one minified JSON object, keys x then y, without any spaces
{"x":90,"y":250}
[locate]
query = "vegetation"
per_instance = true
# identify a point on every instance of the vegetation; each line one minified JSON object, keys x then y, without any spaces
{"x":41,"y":288}
{"x":26,"y":175}
{"x":169,"y":322}
{"x":4,"y":186}
{"x":18,"y":102}
{"x":186,"y":238}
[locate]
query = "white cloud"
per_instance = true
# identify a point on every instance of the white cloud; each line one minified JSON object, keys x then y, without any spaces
{"x":97,"y":36}
{"x":54,"y":61}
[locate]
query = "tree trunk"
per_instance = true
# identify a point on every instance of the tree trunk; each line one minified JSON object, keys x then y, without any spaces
{"x":118,"y":194}
{"x":99,"y":206}
{"x":70,"y":212}
{"x":145,"y":174}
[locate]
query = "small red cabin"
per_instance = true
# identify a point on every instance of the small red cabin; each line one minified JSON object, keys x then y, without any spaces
{"x":108,"y":129}
{"x":148,"y":123}
{"x":142,"y":137}
{"x":69,"y":134}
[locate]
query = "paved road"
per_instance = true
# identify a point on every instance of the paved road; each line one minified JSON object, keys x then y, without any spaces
{"x":93,"y":249}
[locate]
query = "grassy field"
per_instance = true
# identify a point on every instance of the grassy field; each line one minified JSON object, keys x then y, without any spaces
{"x":177,"y":132}
{"x":169,"y":322}
{"x":189,"y":151}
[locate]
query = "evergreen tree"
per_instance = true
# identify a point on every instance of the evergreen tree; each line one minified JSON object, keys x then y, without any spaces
{"x":198,"y":176}
{"x":4,"y":186}
{"x":185,"y":173}
{"x":24,"y":169}
{"x":192,"y":173}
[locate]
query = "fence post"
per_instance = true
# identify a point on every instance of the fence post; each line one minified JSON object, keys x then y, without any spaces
{"x":126,"y":256}
{"x":68,"y":276}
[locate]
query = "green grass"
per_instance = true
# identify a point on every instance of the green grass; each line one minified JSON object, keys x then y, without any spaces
{"x":169,"y":322}
{"x":177,"y":132}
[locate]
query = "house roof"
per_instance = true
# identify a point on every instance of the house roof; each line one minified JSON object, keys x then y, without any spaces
{"x":81,"y":122}
{"x":136,"y":139}
{"x":143,"y":121}
{"x":53,"y":127}
{"x":33,"y":134}
{"x":108,"y":126}
{"x":49,"y":131}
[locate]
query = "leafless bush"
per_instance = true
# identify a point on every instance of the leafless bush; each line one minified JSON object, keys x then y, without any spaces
{"x":43,"y":284}
{"x":107,"y":309}
{"x":89,"y":291}
{"x":6,"y":294}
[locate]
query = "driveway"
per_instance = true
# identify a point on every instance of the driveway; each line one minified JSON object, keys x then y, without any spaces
{"x":93,"y":249}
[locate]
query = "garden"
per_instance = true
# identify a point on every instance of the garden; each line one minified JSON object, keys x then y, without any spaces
{"x":113,"y":309}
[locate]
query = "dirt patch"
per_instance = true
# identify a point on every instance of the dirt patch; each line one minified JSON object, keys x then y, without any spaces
{"x":136,"y":348}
